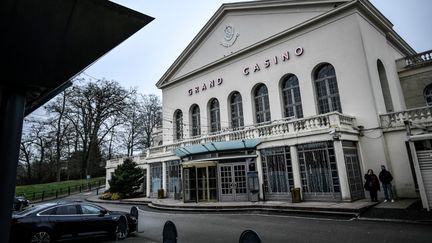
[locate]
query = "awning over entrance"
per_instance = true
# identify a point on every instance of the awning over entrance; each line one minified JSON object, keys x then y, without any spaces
{"x":217,"y":147}
{"x":198,"y":164}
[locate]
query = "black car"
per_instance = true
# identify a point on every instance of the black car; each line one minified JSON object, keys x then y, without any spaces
{"x":59,"y":221}
{"x":20,"y":202}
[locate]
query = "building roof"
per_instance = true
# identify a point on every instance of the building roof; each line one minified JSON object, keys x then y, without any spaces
{"x":44,"y":44}
{"x":336,"y":7}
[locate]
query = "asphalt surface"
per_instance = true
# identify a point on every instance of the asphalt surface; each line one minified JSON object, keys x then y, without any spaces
{"x":227,"y":227}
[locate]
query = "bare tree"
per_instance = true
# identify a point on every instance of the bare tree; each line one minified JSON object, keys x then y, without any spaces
{"x":59,"y":127}
{"x":26,"y":155}
{"x":151,"y":116}
{"x":95,"y":109}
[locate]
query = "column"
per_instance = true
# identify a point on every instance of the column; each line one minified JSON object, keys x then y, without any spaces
{"x":148,"y":181}
{"x":342,"y":171}
{"x":295,"y":166}
{"x":164,"y":179}
{"x":260,"y":175}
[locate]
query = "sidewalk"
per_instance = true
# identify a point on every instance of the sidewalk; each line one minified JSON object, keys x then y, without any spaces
{"x":403,"y":210}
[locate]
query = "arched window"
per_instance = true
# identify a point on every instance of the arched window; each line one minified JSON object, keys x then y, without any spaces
{"x":427,"y":93}
{"x":236,"y":110}
{"x":214,"y":116}
{"x":262,"y":106}
{"x":195,"y":124}
{"x":327,"y":89}
{"x":384,"y":86}
{"x":178,"y":125}
{"x":291,"y":97}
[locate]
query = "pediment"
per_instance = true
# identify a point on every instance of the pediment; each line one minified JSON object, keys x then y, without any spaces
{"x":236,"y":26}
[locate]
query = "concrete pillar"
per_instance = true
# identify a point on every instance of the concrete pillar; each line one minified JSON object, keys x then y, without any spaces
{"x":342,"y":171}
{"x":164,"y":179}
{"x":260,"y":175}
{"x":295,"y":166}
{"x":148,"y":181}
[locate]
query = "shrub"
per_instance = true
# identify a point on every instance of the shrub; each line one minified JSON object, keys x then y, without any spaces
{"x":126,"y":179}
{"x":116,"y":196}
{"x":106,"y":196}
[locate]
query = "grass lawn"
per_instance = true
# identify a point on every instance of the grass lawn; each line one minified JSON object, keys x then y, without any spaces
{"x":51,"y":188}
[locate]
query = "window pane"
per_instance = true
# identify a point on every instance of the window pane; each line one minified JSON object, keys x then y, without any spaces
{"x":88,"y":209}
{"x":327,"y":89}
{"x":66,"y":210}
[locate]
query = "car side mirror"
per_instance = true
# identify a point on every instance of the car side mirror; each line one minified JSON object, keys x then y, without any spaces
{"x":103,"y":212}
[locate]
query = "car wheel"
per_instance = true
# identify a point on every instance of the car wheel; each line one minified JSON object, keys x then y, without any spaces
{"x":42,"y":236}
{"x":121,"y":229}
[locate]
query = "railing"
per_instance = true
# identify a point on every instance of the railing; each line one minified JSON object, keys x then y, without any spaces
{"x":416,"y":60}
{"x":51,"y":194}
{"x":421,"y":115}
{"x":275,"y":128}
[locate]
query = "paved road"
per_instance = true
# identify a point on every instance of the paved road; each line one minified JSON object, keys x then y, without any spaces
{"x":225,"y":228}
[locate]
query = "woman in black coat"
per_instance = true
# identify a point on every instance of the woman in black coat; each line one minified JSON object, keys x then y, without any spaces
{"x":372,"y":185}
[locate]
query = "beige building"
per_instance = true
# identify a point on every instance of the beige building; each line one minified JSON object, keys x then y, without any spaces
{"x":275,"y":95}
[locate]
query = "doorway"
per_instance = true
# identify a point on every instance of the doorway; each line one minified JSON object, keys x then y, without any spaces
{"x":233,"y":182}
{"x":200,"y":183}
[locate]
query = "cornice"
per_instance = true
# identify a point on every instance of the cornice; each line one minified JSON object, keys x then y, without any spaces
{"x":364,"y":6}
{"x":223,"y":11}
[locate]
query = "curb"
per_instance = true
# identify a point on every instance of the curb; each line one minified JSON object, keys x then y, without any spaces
{"x":351,"y":213}
{"x":291,"y":211}
{"x":395,"y":221}
{"x":128,"y":202}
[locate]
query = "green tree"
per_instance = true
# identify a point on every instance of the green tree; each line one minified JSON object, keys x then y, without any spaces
{"x":127,"y":178}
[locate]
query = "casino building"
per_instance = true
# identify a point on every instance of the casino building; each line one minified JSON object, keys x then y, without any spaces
{"x":276,"y":95}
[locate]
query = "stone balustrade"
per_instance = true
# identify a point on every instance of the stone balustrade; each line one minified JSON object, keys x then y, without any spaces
{"x":415,"y":60}
{"x":268,"y":130}
{"x":420,"y":116}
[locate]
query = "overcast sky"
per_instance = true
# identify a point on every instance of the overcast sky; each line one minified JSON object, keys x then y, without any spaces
{"x":142,"y":59}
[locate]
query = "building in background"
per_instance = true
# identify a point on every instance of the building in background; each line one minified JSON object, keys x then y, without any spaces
{"x":276,"y":95}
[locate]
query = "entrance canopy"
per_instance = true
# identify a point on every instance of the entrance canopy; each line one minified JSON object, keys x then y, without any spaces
{"x":217,"y":147}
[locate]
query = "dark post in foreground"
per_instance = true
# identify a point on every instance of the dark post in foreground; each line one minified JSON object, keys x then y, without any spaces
{"x":169,"y":233}
{"x":12,"y":114}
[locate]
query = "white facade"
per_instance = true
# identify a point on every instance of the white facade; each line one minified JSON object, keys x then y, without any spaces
{"x":261,"y":42}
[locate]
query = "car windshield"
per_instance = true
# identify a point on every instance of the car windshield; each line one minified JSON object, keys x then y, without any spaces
{"x":33,"y":209}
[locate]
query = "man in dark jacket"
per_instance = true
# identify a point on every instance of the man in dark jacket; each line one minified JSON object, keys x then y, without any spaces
{"x":386,"y":177}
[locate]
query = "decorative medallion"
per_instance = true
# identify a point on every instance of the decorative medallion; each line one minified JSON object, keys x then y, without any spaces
{"x":230,"y":36}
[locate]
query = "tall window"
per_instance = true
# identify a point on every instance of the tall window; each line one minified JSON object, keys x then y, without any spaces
{"x":384,"y":86}
{"x":291,"y":97}
{"x":327,"y":89}
{"x":195,"y":124}
{"x":318,"y":169}
{"x":427,"y":93}
{"x":277,"y":172}
{"x":214,"y":116}
{"x":236,"y":110}
{"x":178,"y":125}
{"x":262,"y":106}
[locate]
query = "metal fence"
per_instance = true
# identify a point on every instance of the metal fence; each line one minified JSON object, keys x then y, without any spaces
{"x":65,"y":191}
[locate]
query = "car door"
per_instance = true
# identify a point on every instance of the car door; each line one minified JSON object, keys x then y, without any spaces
{"x":94,"y":222}
{"x":66,"y":221}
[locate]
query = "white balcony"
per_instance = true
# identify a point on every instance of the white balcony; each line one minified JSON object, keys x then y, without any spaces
{"x":285,"y":128}
{"x":396,"y":120}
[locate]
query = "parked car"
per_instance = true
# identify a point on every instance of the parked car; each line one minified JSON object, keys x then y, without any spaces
{"x":20,"y":202}
{"x":57,"y":221}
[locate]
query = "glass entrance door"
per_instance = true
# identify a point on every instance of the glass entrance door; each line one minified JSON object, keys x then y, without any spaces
{"x":233,"y":182}
{"x":190,"y":185}
{"x":200,"y":184}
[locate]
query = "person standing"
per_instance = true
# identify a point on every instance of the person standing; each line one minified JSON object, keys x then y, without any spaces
{"x":372,"y":185}
{"x":386,"y":177}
